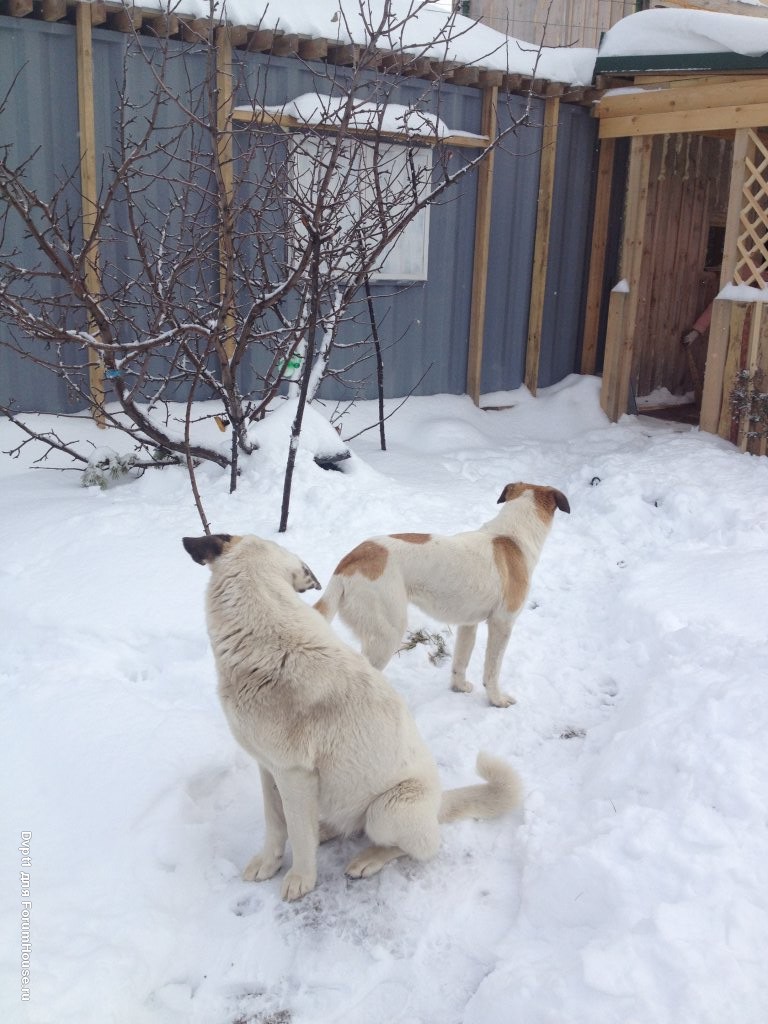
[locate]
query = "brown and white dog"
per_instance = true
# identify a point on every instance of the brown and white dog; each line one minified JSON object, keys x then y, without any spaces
{"x":480,"y":576}
{"x":337,"y":749}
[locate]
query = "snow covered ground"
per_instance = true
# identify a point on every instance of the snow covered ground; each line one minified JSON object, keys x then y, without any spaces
{"x":631,"y":889}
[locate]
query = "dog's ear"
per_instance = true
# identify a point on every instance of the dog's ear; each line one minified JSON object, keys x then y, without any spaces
{"x":560,"y":500}
{"x":506,"y":494}
{"x":205,"y":550}
{"x":305,"y":579}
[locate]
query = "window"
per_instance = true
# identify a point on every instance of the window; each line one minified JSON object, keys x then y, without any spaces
{"x":363,"y":193}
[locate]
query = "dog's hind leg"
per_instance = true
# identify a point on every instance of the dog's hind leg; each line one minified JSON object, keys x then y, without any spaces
{"x":465,"y":641}
{"x":499,"y":629}
{"x":267,"y":863}
{"x":401,"y":822}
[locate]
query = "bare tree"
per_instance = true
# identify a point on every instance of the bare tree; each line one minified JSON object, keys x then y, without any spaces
{"x":231,"y":257}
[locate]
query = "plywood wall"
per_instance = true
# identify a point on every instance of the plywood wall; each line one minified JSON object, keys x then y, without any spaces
{"x":553,"y":22}
{"x":688,"y":191}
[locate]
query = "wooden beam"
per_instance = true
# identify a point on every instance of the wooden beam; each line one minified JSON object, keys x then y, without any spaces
{"x":162,"y":24}
{"x":53,"y":10}
{"x":672,"y":100}
{"x":125,"y":19}
{"x":717,"y":347}
{"x":482,"y":247}
{"x":89,"y":192}
{"x":753,"y":364}
{"x":260,"y":116}
{"x":620,"y":338}
{"x":225,"y":153}
{"x":285,"y":45}
{"x":754,"y":115}
{"x":541,"y":244}
{"x":313,"y":49}
{"x":18,"y":8}
{"x":597,"y":255}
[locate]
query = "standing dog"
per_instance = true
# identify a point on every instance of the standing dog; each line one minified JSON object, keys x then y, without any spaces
{"x":338,"y":751}
{"x":480,"y":576}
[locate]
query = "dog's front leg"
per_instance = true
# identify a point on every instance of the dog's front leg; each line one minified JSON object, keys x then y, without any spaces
{"x":499,"y":629}
{"x":298,"y":789}
{"x":265,"y":864}
{"x":465,"y":641}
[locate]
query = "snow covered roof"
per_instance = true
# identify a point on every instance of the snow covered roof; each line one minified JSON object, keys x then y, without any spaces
{"x":671,"y":38}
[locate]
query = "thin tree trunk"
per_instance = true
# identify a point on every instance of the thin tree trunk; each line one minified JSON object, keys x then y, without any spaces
{"x":379,"y":361}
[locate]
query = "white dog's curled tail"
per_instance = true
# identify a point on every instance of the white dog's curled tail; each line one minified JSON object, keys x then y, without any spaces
{"x":501,"y":792}
{"x":328,"y":605}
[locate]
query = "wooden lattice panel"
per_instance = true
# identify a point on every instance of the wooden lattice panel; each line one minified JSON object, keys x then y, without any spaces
{"x":752,"y":243}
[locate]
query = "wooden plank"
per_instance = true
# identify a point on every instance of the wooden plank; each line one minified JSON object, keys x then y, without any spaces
{"x":53,"y":10}
{"x":620,"y":340}
{"x":313,"y":49}
{"x":751,"y":366}
{"x":347,"y":55}
{"x":597,"y":255}
{"x":162,"y":25}
{"x":719,"y":118}
{"x":738,"y":333}
{"x":225,"y":153}
{"x":194,"y":30}
{"x":541,"y":243}
{"x":260,"y":41}
{"x":697,"y":97}
{"x":614,"y":333}
{"x":89,"y":191}
{"x":286,"y":45}
{"x":126,"y":19}
{"x":466,"y":76}
{"x":18,"y":8}
{"x":481,"y":248}
{"x":718,"y":332}
{"x":259,"y":116}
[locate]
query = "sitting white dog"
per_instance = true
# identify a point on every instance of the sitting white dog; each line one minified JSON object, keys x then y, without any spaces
{"x":336,"y":746}
{"x":480,"y":576}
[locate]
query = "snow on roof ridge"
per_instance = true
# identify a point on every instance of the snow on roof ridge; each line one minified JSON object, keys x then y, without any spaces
{"x":679,"y":31}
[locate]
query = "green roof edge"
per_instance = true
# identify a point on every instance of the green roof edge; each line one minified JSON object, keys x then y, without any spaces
{"x":679,"y":62}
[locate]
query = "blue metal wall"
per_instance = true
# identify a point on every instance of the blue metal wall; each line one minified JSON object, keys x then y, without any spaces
{"x":424,"y":327}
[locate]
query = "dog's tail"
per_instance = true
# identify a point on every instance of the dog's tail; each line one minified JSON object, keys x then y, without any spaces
{"x":328,"y":605}
{"x":501,"y":792}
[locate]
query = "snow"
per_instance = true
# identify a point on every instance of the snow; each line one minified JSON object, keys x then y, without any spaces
{"x":633,"y":885}
{"x":423,"y":29}
{"x":671,"y":31}
{"x":313,"y":108}
{"x":743,"y":293}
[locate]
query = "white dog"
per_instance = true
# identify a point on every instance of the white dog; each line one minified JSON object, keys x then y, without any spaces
{"x":480,"y":576}
{"x":337,"y":749}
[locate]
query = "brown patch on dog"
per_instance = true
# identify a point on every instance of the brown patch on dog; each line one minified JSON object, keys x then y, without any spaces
{"x":513,"y":571}
{"x":205,"y":550}
{"x":368,"y":558}
{"x":321,"y":607}
{"x":547,"y":499}
{"x":412,"y":538}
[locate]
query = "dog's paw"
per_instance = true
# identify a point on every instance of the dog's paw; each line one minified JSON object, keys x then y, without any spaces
{"x":296,"y":885}
{"x":461,"y":685}
{"x":260,"y":868}
{"x":502,"y":700}
{"x":367,"y":863}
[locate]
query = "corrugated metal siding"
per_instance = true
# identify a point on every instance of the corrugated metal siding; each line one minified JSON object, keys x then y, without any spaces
{"x":41,"y":113}
{"x":569,"y":244}
{"x":423,"y":326}
{"x":513,"y":230}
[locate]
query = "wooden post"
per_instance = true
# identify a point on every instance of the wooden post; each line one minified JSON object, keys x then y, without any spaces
{"x":597,"y":255}
{"x":224,"y":104}
{"x":541,"y":246}
{"x":719,"y":331}
{"x":481,"y":250}
{"x":89,"y":192}
{"x":620,"y":336}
